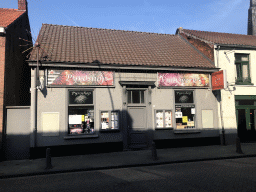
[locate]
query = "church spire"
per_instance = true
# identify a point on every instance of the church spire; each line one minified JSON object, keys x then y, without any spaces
{"x":252,"y":3}
{"x":251,"y":30}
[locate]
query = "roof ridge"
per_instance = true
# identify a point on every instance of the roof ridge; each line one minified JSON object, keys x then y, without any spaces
{"x":10,"y":9}
{"x":217,"y":32}
{"x":110,"y":29}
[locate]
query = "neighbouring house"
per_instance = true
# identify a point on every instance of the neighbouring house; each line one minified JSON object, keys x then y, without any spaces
{"x":15,"y":38}
{"x":236,"y":54}
{"x":102,"y":86}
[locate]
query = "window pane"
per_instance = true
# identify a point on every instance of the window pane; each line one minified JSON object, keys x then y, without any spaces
{"x":244,"y":58}
{"x":80,"y":97}
{"x":187,"y":120}
{"x":142,"y":96}
{"x":246,"y":102}
{"x":159,"y":119}
{"x":81,"y":120}
{"x":129,"y":97}
{"x":241,"y":57}
{"x":245,"y":71}
{"x":238,"y":70}
{"x":135,"y":96}
{"x":183,"y":96}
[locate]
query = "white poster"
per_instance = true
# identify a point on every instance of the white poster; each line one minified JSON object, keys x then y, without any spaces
{"x":178,"y":115}
{"x":193,"y":111}
{"x":75,"y":119}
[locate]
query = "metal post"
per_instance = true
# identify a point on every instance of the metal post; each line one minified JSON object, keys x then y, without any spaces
{"x":154,"y":153}
{"x":48,"y":159}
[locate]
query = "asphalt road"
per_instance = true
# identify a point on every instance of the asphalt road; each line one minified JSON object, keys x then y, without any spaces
{"x":219,"y":175}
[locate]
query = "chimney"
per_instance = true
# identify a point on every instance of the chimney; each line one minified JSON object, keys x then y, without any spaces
{"x":22,"y":5}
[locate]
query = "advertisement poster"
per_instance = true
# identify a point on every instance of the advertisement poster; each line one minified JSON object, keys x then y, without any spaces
{"x":178,"y":115}
{"x":183,"y":80}
{"x":75,"y":77}
{"x":75,"y":119}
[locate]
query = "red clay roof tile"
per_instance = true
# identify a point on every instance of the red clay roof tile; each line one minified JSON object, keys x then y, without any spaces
{"x":87,"y":45}
{"x":8,"y":16}
{"x":222,"y":38}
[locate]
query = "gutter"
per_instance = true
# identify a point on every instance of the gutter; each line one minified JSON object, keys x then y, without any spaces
{"x":129,"y":67}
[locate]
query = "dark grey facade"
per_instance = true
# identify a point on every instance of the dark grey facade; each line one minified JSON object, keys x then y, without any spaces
{"x":252,"y":18}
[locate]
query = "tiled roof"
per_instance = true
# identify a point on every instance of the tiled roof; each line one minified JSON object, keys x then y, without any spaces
{"x":7,"y":16}
{"x":222,"y":38}
{"x":86,"y":45}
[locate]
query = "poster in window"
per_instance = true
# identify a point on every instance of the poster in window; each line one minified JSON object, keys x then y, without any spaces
{"x":159,"y":119}
{"x":80,"y":97}
{"x":178,"y":115}
{"x":75,"y":119}
{"x":183,"y":96}
{"x":168,"y":119}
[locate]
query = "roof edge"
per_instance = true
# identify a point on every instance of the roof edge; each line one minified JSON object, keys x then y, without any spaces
{"x":116,"y":67}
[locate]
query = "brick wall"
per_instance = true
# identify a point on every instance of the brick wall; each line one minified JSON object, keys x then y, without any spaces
{"x":2,"y":69}
{"x":201,"y":46}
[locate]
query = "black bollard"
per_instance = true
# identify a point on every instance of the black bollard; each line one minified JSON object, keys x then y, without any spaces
{"x":238,"y":146}
{"x":154,"y":153}
{"x":48,"y":159}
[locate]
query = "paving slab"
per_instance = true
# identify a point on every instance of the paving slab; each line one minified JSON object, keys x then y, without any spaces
{"x":27,"y":167}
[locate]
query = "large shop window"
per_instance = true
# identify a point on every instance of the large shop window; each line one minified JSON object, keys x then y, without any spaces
{"x":242,"y":69}
{"x":184,"y":110}
{"x":81,"y":112}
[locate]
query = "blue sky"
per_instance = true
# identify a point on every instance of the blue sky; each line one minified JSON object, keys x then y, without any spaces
{"x":158,"y":16}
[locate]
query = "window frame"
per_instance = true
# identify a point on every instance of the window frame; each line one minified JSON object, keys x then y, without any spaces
{"x":239,"y":64}
{"x":91,"y":105}
{"x":164,"y":122}
{"x":185,"y":105}
{"x":110,"y":119}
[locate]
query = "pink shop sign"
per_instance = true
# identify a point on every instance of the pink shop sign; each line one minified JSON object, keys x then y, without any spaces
{"x":183,"y":80}
{"x":78,"y":78}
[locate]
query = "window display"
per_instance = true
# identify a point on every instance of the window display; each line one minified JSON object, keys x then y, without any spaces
{"x":80,"y":112}
{"x":185,"y":110}
{"x":163,"y":118}
{"x":109,"y":120}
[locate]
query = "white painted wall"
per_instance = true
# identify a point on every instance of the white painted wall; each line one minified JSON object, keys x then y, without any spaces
{"x":225,"y":59}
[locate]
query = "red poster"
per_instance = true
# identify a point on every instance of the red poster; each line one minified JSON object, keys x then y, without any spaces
{"x":74,"y":77}
{"x":219,"y":80}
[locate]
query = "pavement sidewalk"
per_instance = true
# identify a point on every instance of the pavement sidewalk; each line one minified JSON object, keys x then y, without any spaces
{"x":18,"y":168}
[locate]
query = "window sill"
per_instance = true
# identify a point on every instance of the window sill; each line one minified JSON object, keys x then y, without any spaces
{"x":164,"y":128}
{"x":192,"y":130}
{"x":84,"y":136}
{"x":243,"y":83}
{"x":109,"y":130}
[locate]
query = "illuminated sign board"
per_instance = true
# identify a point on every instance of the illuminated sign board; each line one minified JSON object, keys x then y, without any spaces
{"x":77,"y":78}
{"x":183,"y":80}
{"x":219,"y":80}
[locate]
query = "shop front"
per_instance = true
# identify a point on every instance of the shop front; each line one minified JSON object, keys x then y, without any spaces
{"x":132,"y":108}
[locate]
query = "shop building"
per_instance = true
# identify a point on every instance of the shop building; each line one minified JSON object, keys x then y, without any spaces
{"x":92,"y":85}
{"x":235,"y":54}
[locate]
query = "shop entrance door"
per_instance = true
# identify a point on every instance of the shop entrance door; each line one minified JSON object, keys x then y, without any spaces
{"x":246,"y":118}
{"x":137,"y":127}
{"x":137,"y":118}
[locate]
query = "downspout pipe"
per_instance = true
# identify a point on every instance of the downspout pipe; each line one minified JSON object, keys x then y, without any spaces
{"x":34,"y":83}
{"x":220,"y":99}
